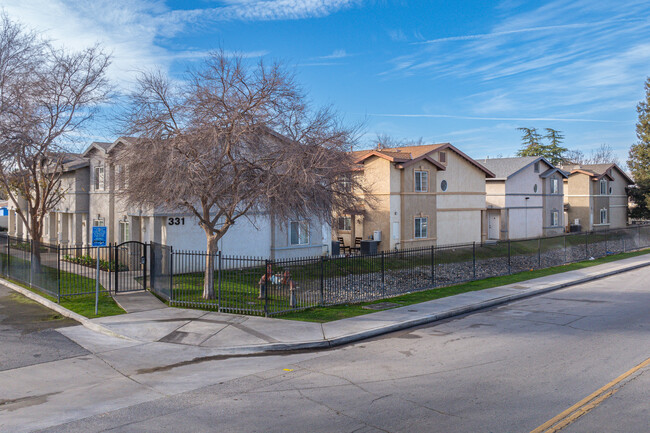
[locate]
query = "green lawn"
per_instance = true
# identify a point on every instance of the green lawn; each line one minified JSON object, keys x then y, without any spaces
{"x":328,"y":314}
{"x":81,"y":304}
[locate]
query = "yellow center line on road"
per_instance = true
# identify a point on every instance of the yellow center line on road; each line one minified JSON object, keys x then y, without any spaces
{"x":588,"y":403}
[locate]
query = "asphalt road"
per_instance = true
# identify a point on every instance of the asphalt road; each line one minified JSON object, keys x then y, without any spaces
{"x":27,"y":333}
{"x":507,"y":369}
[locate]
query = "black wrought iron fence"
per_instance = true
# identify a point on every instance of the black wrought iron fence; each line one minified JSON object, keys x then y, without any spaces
{"x":252,"y":285}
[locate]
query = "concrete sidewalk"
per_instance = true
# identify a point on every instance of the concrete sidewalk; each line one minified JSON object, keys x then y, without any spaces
{"x":235,"y":334}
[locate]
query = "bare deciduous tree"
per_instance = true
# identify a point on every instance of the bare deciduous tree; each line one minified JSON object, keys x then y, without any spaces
{"x":388,"y":141}
{"x":230,"y":140}
{"x":603,"y":154}
{"x":46,"y":95}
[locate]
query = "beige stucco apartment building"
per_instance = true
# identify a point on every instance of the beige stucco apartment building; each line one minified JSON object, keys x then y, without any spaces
{"x":596,"y":196}
{"x":525,"y":199}
{"x":419,"y":196}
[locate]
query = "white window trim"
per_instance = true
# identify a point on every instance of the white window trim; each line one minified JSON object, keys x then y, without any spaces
{"x":555,"y":186}
{"x":603,"y":182}
{"x":101,"y":222}
{"x":344,"y":217}
{"x":125,"y":228}
{"x":606,"y":216}
{"x":426,"y":234}
{"x":555,"y":218}
{"x":99,"y":178}
{"x":426,"y":183}
{"x":301,"y":223}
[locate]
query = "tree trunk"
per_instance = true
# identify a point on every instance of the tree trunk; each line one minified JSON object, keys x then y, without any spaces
{"x":210,"y":258}
{"x":35,"y":253}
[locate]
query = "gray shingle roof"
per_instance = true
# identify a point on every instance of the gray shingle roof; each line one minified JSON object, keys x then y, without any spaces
{"x":504,"y":167}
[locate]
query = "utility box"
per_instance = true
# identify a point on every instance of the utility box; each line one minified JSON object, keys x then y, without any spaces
{"x":369,"y":247}
{"x":336,"y":248}
{"x":376,"y":235}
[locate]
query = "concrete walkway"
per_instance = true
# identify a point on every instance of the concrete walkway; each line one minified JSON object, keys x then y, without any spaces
{"x":151,"y":321}
{"x":136,"y":302}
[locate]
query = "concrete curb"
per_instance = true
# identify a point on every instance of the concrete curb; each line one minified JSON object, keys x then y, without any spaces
{"x":64,"y":311}
{"x":358,"y":336}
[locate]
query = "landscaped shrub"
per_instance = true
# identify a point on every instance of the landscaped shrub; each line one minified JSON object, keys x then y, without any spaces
{"x":91,"y":262}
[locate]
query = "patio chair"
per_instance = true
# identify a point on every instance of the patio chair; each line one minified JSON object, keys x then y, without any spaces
{"x":357,"y":245}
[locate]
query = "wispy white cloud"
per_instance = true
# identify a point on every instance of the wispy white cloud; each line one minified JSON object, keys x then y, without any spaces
{"x":265,"y":10}
{"x":563,"y":60}
{"x":136,"y":32}
{"x":336,"y":54}
{"x":522,"y":119}
{"x":505,"y":33}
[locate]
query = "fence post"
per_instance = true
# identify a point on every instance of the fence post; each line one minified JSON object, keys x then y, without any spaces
{"x":58,"y":274}
{"x":266,"y":292}
{"x":474,"y":257}
{"x":115,"y":267}
{"x":565,"y":249}
{"x":433,"y":266}
{"x":110,"y":271}
{"x":606,"y":248}
{"x":623,"y":243}
{"x":509,"y":257}
{"x":31,"y":262}
{"x":171,"y":274}
{"x":586,"y":245}
{"x":539,"y":253}
{"x":383,"y":272}
{"x":638,"y":235}
{"x":8,"y":257}
{"x":322,"y":280}
{"x":219,"y":283}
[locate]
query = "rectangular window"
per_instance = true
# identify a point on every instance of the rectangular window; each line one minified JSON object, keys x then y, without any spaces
{"x":603,"y":187}
{"x":120,"y":177}
{"x":537,"y":167}
{"x":603,"y":216}
{"x":555,"y":186}
{"x":345,"y":223}
{"x":125,"y":231}
{"x":99,"y":178}
{"x":555,"y":218}
{"x":299,"y":232}
{"x":346,"y":183}
{"x":421,"y":181}
{"x":421,"y":227}
{"x":443,"y":157}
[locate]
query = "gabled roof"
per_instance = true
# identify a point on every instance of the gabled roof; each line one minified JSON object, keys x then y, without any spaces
{"x":598,"y":171}
{"x":505,"y":168}
{"x":407,"y":155}
{"x":550,"y":171}
{"x":99,"y":145}
{"x":74,"y":161}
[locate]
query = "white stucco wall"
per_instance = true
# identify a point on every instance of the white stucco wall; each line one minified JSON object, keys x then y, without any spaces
{"x":458,"y":227}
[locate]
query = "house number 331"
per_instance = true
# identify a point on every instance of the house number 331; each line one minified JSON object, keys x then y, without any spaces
{"x":176,"y":221}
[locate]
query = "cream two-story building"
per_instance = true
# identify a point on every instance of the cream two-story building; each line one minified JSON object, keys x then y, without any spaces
{"x":525,"y":199}
{"x":596,"y":196}
{"x":419,"y":196}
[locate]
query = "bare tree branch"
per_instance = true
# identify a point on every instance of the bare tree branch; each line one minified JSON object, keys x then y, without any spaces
{"x":46,"y":94}
{"x":232,"y":140}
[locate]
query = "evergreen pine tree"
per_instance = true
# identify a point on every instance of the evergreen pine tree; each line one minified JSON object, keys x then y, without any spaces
{"x":639,"y":162}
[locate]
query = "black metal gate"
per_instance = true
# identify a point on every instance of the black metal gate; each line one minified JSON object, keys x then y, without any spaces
{"x":130,"y":266}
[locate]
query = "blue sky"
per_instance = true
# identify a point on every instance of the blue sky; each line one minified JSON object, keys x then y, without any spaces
{"x":467,"y":72}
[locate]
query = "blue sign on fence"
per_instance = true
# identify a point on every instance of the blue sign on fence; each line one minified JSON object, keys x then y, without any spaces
{"x":99,"y":236}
